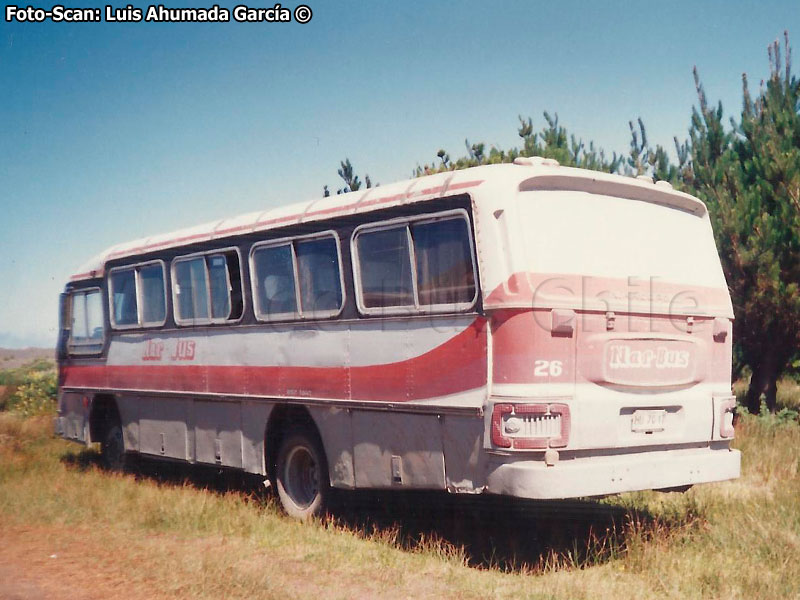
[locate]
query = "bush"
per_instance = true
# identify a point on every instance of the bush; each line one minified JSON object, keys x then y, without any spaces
{"x":36,"y":395}
{"x":784,"y":416}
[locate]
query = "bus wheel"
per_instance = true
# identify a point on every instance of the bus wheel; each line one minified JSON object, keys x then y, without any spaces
{"x":302,"y":474}
{"x":112,"y":447}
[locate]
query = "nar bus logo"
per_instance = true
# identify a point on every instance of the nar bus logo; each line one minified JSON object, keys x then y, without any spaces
{"x":184,"y":350}
{"x":623,"y":356}
{"x":154,"y":351}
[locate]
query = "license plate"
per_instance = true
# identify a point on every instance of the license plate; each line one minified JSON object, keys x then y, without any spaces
{"x":648,"y":420}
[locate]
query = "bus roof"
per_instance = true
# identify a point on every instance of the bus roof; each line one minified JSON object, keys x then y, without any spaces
{"x":526,"y":174}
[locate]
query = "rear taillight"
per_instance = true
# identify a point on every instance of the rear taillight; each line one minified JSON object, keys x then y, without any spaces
{"x":727,"y":408}
{"x":530,"y":426}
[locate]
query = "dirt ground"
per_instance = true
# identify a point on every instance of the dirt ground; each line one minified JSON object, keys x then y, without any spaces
{"x":38,"y":563}
{"x":57,"y":562}
{"x":13,"y":358}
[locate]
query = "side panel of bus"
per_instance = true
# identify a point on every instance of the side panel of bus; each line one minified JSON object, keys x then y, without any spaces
{"x":397,"y":400}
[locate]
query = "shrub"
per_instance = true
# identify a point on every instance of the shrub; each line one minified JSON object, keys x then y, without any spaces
{"x":36,"y":395}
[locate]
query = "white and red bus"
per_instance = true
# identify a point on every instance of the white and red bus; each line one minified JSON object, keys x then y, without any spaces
{"x":522,"y":329}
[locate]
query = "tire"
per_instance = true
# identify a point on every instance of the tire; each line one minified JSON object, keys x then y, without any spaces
{"x":302,"y":474}
{"x":112,"y":447}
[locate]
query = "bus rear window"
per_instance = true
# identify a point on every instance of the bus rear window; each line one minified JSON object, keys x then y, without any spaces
{"x":617,"y":238}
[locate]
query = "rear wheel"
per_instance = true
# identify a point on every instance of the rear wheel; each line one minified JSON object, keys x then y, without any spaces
{"x":112,"y":446}
{"x":302,"y":474}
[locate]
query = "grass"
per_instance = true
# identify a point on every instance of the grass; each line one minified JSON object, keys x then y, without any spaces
{"x":187,"y":533}
{"x":175,"y":532}
{"x":788,"y":393}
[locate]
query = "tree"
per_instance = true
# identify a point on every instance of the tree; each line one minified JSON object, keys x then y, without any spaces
{"x":351,"y":181}
{"x":749,"y":177}
{"x":552,"y":141}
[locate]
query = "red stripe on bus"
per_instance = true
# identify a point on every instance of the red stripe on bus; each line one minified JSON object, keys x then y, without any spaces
{"x":458,"y":365}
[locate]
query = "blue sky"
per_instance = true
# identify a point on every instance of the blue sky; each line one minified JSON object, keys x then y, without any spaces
{"x":110,"y":131}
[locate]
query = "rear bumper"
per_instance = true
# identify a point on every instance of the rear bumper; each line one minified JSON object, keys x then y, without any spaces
{"x":613,"y":474}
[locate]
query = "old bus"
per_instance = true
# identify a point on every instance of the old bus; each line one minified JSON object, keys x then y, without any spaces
{"x":522,"y":329}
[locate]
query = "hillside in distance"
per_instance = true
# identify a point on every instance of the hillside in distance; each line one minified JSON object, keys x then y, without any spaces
{"x":12,"y":358}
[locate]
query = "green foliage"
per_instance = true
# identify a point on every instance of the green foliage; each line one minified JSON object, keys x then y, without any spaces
{"x":552,"y":141}
{"x":785,"y":416}
{"x":35,"y":395}
{"x":351,"y":181}
{"x":644,"y":160}
{"x":18,"y":376}
{"x":749,"y":177}
{"x":29,"y":390}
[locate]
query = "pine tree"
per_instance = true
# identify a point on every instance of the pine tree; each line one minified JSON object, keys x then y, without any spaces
{"x":351,"y":181}
{"x":749,"y":176}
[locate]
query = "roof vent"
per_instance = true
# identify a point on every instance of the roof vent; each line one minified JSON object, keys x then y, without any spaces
{"x":664,"y":184}
{"x":536,"y":161}
{"x":646,"y":178}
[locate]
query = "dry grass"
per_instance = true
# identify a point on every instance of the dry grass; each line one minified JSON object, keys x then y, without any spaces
{"x":788,"y":396}
{"x":166,"y":532}
{"x":18,"y":357}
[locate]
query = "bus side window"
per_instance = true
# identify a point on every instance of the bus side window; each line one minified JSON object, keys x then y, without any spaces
{"x":154,"y":302}
{"x":298,"y":279}
{"x":274,"y":274}
{"x":191,"y":287}
{"x":225,"y":282}
{"x":138,"y":295}
{"x":235,"y":283}
{"x":220,"y":286}
{"x":319,"y":277}
{"x":425,"y":264}
{"x":123,"y":293}
{"x":443,"y":255}
{"x":207,"y":288}
{"x":385,"y":268}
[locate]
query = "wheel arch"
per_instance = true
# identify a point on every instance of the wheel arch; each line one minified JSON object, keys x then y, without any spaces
{"x":281,"y":420}
{"x":103,"y":411}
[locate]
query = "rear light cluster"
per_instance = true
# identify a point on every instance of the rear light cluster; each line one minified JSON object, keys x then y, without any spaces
{"x":530,"y":426}
{"x":727,"y":408}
